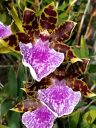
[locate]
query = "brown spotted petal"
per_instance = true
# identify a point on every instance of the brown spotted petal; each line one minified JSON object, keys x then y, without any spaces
{"x":64,"y":31}
{"x":79,"y":85}
{"x":13,"y":40}
{"x":31,"y":88}
{"x":30,"y":23}
{"x":70,"y":71}
{"x":83,"y":65}
{"x":71,"y":56}
{"x":27,"y":105}
{"x":48,"y":18}
{"x":30,"y":93}
{"x":67,"y":71}
{"x":67,"y":50}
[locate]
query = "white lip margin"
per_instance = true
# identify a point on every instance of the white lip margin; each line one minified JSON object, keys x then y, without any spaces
{"x":54,"y":113}
{"x":78,"y":93}
{"x":32,"y":71}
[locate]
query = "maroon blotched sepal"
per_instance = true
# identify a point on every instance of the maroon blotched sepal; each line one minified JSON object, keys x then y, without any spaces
{"x":67,"y":50}
{"x":13,"y":40}
{"x":29,"y":87}
{"x":30,"y":23}
{"x":48,"y":18}
{"x":79,"y":85}
{"x":27,"y":105}
{"x":70,"y":71}
{"x":64,"y":31}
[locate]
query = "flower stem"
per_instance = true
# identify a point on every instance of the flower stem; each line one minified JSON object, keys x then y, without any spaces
{"x":82,"y":21}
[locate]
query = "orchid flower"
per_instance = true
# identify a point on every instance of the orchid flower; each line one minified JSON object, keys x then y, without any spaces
{"x":4,"y":30}
{"x":40,"y":59}
{"x":35,"y":43}
{"x":57,"y":100}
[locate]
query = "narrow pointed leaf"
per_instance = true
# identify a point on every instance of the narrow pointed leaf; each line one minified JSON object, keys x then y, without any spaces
{"x":14,"y":14}
{"x":74,"y":119}
{"x":20,"y":78}
{"x":13,"y":120}
{"x":48,"y":18}
{"x":12,"y":83}
{"x":6,"y":105}
{"x":64,"y":31}
{"x":83,"y":48}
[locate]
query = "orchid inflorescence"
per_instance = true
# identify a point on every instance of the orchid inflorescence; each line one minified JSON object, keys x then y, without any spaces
{"x":47,"y":56}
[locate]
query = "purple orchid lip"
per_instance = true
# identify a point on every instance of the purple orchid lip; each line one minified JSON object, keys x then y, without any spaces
{"x":40,"y":118}
{"x":4,"y":30}
{"x":40,"y":59}
{"x":59,"y":98}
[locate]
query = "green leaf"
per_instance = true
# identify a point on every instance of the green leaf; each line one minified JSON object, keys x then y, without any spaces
{"x":3,"y":17}
{"x":12,"y":83}
{"x":84,"y":49}
{"x":20,"y":79}
{"x":73,"y":120}
{"x":3,"y":126}
{"x":84,"y":125}
{"x":77,"y":52}
{"x":89,"y":116}
{"x":14,"y":15}
{"x":21,"y":4}
{"x":93,"y":107}
{"x":13,"y":120}
{"x":92,"y":68}
{"x":93,"y":126}
{"x":62,"y":7}
{"x":5,"y":106}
